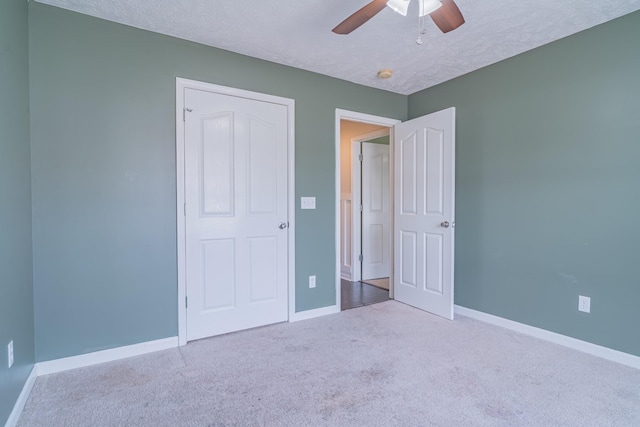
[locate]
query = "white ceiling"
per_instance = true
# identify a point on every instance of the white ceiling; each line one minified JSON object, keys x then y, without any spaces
{"x":298,"y":33}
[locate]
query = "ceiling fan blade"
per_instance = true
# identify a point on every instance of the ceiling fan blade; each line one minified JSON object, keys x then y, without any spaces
{"x":360,"y":17}
{"x":448,"y":17}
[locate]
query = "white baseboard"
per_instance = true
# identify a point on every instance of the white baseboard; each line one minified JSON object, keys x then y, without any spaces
{"x":573,"y":343}
{"x":73,"y":362}
{"x":310,"y":314}
{"x":64,"y":364}
{"x":14,"y":416}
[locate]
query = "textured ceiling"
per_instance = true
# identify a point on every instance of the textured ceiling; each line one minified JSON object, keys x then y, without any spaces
{"x":298,"y":33}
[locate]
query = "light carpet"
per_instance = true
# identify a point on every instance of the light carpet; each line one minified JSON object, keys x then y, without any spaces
{"x":381,"y":365}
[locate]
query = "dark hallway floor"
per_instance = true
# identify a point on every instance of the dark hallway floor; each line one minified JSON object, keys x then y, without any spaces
{"x":357,"y":294}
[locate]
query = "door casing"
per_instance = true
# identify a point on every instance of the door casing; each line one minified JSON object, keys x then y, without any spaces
{"x":181,"y":85}
{"x":363,"y":118}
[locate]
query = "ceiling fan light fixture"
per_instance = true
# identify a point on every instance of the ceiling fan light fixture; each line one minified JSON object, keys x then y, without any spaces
{"x":399,"y":6}
{"x":429,"y":6}
{"x":445,"y":14}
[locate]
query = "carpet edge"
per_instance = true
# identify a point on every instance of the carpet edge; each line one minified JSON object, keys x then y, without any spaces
{"x":546,"y":335}
{"x":110,"y":355}
{"x":18,"y":407}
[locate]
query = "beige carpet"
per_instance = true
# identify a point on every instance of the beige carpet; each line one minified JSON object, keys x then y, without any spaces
{"x":381,"y":365}
{"x":380,"y":283}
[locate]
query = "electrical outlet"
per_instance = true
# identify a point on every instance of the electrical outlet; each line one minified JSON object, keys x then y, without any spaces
{"x":584,"y":304}
{"x":10,"y":353}
{"x":312,"y":281}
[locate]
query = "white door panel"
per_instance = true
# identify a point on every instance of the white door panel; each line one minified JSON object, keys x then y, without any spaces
{"x":236,"y":195}
{"x":376,"y":212}
{"x":424,"y":212}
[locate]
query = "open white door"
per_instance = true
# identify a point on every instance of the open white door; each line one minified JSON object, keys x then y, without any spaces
{"x":424,"y":214}
{"x":376,"y":212}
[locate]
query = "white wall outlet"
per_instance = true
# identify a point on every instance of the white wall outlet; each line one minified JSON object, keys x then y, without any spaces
{"x":307,"y":202}
{"x":312,"y":281}
{"x":584,"y":304}
{"x":10,"y":354}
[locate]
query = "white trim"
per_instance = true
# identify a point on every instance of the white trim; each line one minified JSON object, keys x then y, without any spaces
{"x":291,"y":152}
{"x":81,"y":361}
{"x":181,"y":85}
{"x":14,"y":416}
{"x":317,"y":312}
{"x":362,"y":118}
{"x":89,"y":359}
{"x":346,"y":237}
{"x":180,"y":216}
{"x":356,"y":213}
{"x":543,"y":334}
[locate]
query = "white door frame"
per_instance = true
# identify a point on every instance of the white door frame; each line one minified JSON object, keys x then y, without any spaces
{"x":355,"y":116}
{"x":181,"y":85}
{"x":356,"y":186}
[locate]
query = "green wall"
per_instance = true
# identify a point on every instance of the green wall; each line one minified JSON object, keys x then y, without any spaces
{"x":548,"y":184}
{"x":104,"y":196}
{"x":16,"y":287}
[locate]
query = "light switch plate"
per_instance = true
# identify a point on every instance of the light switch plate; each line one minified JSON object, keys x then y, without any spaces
{"x":307,"y":202}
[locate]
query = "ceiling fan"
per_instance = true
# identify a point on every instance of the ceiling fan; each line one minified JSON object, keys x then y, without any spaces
{"x":444,"y":13}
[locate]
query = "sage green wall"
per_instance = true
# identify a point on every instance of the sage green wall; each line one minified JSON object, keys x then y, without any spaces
{"x":548,"y":184}
{"x":104,"y":196}
{"x":16,"y":286}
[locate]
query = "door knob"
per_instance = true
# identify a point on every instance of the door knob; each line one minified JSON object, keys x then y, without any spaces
{"x":444,"y":224}
{"x":282,"y":225}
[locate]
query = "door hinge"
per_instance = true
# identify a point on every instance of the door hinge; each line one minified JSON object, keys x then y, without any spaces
{"x":186,"y":303}
{"x":361,"y":208}
{"x":360,"y":157}
{"x":185,"y":209}
{"x":184,"y":110}
{"x":360,"y":258}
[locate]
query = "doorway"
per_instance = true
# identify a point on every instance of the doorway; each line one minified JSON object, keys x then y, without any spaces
{"x":423,"y":215}
{"x":372,"y":218}
{"x":352,"y":130}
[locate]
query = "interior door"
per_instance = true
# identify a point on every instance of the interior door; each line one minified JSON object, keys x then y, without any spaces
{"x":376,"y":211}
{"x":236,"y":213}
{"x":424,"y":212}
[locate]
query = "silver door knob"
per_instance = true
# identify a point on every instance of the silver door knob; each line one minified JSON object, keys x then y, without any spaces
{"x":444,"y":224}
{"x":282,"y":225}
